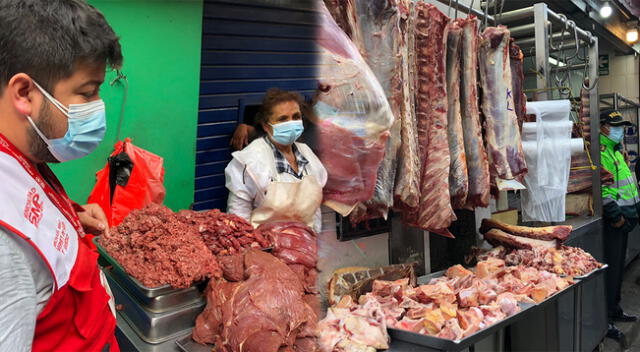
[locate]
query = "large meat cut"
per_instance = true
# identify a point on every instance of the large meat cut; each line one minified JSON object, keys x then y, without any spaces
{"x":476,"y":154}
{"x":354,"y":118}
{"x":434,"y":212}
{"x":458,"y":178}
{"x":157,"y":248}
{"x":266,"y":311}
{"x":500,"y":238}
{"x":502,"y":136}
{"x":296,"y":245}
{"x":407,"y":188}
{"x":559,"y":232}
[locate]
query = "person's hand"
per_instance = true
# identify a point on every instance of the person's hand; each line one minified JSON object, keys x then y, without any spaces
{"x":240,"y":137}
{"x":619,"y":224}
{"x":93,"y":220}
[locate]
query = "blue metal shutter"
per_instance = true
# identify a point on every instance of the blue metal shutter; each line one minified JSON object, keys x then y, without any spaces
{"x":248,"y":46}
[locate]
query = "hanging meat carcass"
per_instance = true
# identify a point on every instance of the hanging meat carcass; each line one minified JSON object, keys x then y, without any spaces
{"x":516,"y":57}
{"x":458,"y":181}
{"x":354,"y":119}
{"x":378,"y":34}
{"x":502,"y":136}
{"x":434,"y":212}
{"x":476,"y":154}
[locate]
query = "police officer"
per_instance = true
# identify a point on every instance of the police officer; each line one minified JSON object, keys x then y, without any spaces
{"x":620,"y":211}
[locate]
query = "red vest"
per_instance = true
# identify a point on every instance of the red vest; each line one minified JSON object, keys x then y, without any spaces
{"x":77,"y":317}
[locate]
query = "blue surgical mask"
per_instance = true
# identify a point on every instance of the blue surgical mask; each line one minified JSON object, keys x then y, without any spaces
{"x":286,"y":133}
{"x":616,"y":133}
{"x":86,"y":128}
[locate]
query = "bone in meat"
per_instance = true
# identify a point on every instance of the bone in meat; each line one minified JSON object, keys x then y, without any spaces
{"x":476,"y":154}
{"x":500,"y":238}
{"x":407,"y":188}
{"x":501,"y":129}
{"x":434,"y":212}
{"x":560,"y":232}
{"x":458,"y":182}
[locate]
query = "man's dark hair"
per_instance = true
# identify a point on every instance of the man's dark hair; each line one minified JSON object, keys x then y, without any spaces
{"x":46,"y":38}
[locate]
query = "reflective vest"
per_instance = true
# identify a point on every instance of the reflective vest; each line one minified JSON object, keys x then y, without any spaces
{"x":623,"y":193}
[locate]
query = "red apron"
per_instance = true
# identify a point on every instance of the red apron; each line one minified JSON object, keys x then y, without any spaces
{"x":77,"y":317}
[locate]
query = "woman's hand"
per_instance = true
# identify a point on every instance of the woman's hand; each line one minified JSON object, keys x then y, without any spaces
{"x":240,"y":137}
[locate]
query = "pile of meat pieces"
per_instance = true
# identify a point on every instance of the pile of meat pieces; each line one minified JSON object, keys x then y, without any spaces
{"x":459,"y":303}
{"x":569,"y":261}
{"x":260,"y":307}
{"x":538,"y":247}
{"x":156,"y":248}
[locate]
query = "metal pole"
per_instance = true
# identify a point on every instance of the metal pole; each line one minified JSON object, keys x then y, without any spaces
{"x":577,"y":317}
{"x":563,"y":20}
{"x":542,"y":49}
{"x":563,"y":68}
{"x":515,"y":15}
{"x":466,"y":9}
{"x":521,"y":31}
{"x":594,"y":107}
{"x":615,"y":101}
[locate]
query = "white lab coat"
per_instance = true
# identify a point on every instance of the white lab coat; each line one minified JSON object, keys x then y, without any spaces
{"x":252,"y":170}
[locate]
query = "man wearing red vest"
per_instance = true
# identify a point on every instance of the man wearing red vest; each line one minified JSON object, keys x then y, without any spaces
{"x":53,"y":57}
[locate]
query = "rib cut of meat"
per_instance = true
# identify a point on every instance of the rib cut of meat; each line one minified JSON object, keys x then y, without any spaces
{"x":560,"y":232}
{"x":580,"y":173}
{"x":407,"y":188}
{"x":585,"y":112}
{"x":434,"y":212}
{"x":476,"y":154}
{"x":500,"y":238}
{"x":458,"y":182}
{"x":516,"y":57}
{"x":502,"y":135}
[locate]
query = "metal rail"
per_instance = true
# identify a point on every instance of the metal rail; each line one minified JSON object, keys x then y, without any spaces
{"x":466,"y":9}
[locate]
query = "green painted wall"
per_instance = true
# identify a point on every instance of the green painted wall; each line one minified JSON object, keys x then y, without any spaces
{"x":161,"y":43}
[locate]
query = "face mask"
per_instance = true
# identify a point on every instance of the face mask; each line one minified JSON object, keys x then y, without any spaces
{"x":616,"y":134}
{"x":287,"y":132}
{"x":86,"y":128}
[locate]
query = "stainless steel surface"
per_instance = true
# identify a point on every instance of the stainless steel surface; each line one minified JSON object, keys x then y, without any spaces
{"x":151,"y":327}
{"x":186,"y":344}
{"x":582,"y":34}
{"x":522,"y":31}
{"x":136,"y":286}
{"x":128,"y":341}
{"x":577,"y":319}
{"x":542,"y":48}
{"x":464,"y":8}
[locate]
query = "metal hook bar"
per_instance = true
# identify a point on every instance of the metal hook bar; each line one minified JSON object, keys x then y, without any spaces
{"x":449,"y":9}
{"x":457,"y":4}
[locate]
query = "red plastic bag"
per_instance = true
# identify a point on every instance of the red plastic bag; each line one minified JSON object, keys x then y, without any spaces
{"x":132,"y":179}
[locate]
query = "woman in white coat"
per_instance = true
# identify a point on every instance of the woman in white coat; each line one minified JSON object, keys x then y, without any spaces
{"x":276,"y":178}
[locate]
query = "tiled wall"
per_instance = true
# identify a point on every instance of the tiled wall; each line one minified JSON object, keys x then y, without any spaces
{"x":623,"y":76}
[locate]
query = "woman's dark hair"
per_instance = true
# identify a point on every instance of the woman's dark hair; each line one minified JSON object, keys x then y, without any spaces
{"x":47,"y":38}
{"x":273,"y":97}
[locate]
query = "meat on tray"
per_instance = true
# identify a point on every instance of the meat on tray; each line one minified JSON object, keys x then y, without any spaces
{"x":296,"y":245}
{"x":458,"y":177}
{"x":476,"y":154}
{"x":434,"y":212}
{"x":453,"y":306}
{"x":500,"y":238}
{"x":267,"y":311}
{"x":224,"y":234}
{"x":570,"y":261}
{"x":502,"y":135}
{"x":560,"y":232}
{"x":156,"y":248}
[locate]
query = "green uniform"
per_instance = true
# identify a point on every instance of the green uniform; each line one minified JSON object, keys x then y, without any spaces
{"x":620,"y":198}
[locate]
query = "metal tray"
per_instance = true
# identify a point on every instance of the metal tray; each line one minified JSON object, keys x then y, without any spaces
{"x":186,"y":344}
{"x":136,"y":287}
{"x":154,"y":328}
{"x":591,"y":274}
{"x":456,"y":345}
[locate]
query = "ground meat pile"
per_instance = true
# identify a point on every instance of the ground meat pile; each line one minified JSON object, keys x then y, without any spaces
{"x":156,"y":248}
{"x":224,"y":234}
{"x":260,"y":307}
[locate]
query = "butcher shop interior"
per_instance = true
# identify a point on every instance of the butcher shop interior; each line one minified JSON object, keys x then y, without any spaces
{"x":441,"y":175}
